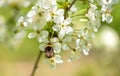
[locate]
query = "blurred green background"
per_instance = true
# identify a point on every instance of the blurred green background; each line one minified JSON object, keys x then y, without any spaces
{"x":103,"y":59}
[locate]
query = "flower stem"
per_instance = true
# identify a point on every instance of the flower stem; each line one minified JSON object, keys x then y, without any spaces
{"x":68,"y":8}
{"x":36,"y":64}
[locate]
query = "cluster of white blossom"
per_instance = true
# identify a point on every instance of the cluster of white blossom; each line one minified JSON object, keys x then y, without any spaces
{"x":52,"y":23}
{"x":106,"y":10}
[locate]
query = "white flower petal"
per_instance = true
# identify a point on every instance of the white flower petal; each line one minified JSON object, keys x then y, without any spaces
{"x":69,"y":30}
{"x":57,"y":47}
{"x":73,"y":9}
{"x":32,"y":35}
{"x":64,"y":46}
{"x":53,"y":40}
{"x":67,"y":21}
{"x":53,"y":2}
{"x":104,"y":8}
{"x":47,"y":16}
{"x":77,"y":43}
{"x":103,"y":17}
{"x":42,"y":46}
{"x":30,"y":19}
{"x":60,"y":12}
{"x":43,"y":39}
{"x":58,"y":59}
{"x":86,"y":51}
{"x":25,"y":24}
{"x":107,"y":2}
{"x":56,"y":28}
{"x":109,"y":18}
{"x":61,"y":33}
{"x":58,"y":19}
{"x":45,"y":4}
{"x":46,"y":40}
{"x":21,"y":19}
{"x":40,"y":39}
{"x":44,"y":33}
{"x":31,"y":13}
{"x":95,"y":29}
{"x":93,"y":7}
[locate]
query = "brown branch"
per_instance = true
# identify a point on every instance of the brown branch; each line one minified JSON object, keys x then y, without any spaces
{"x":68,"y":8}
{"x":36,"y":64}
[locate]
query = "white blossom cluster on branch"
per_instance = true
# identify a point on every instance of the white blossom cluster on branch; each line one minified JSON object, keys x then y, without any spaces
{"x":52,"y":22}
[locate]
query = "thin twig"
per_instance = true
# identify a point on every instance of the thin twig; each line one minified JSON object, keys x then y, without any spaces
{"x":36,"y":63}
{"x":68,"y":8}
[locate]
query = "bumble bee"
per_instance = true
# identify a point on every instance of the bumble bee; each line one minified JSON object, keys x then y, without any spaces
{"x":49,"y":51}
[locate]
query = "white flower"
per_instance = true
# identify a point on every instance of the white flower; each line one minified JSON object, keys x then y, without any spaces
{"x":44,"y":33}
{"x":60,"y":12}
{"x":22,"y":22}
{"x":46,"y":4}
{"x":53,"y":40}
{"x":32,"y":35}
{"x":73,"y":9}
{"x":56,"y":28}
{"x":77,"y":43}
{"x":91,"y":13}
{"x":65,"y":46}
{"x":83,"y":41}
{"x":54,"y":61}
{"x":48,"y":15}
{"x":67,"y":21}
{"x":106,"y":10}
{"x":107,"y":17}
{"x":42,"y":46}
{"x":33,"y":15}
{"x":94,"y":17}
{"x":55,"y":14}
{"x":65,"y":30}
{"x":57,"y":47}
{"x":58,"y":59}
{"x":106,"y":2}
{"x":68,"y":30}
{"x":58,"y":19}
{"x":86,"y":48}
{"x":85,"y":52}
{"x":59,"y":16}
{"x":41,"y":35}
{"x":20,"y":19}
